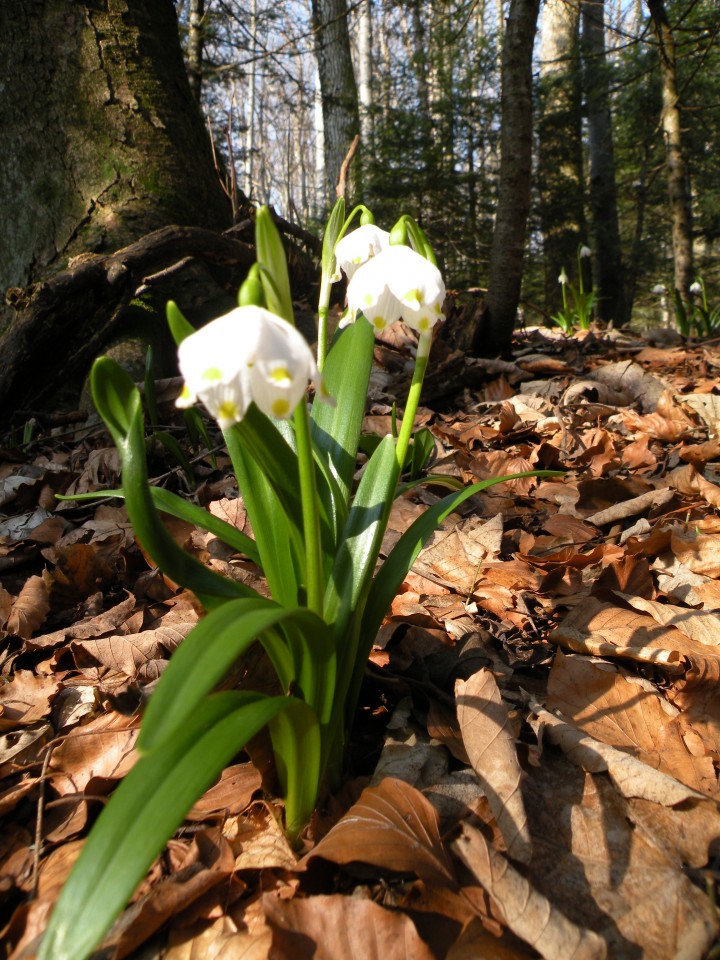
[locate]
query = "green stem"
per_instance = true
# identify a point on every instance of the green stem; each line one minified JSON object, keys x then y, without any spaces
{"x":323,"y":310}
{"x":310,"y":514}
{"x":406,"y":430}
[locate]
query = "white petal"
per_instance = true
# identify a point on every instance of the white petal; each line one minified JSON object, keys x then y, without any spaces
{"x":358,"y":246}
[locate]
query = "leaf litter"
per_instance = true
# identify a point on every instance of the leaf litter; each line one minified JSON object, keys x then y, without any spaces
{"x":534,"y":770}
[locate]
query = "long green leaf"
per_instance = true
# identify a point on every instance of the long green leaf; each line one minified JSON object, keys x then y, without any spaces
{"x":401,"y":558}
{"x":143,"y":813}
{"x":336,"y":430}
{"x":362,"y":537}
{"x":271,"y":256}
{"x":297,"y":745}
{"x":210,"y":649}
{"x":118,"y":402}
{"x":276,"y":524}
{"x":168,"y":502}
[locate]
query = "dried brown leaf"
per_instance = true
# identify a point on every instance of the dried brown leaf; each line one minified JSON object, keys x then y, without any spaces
{"x":527,"y":912}
{"x":394,"y":827}
{"x":490,"y":743}
{"x":611,"y":866}
{"x":631,"y":776}
{"x":25,"y":699}
{"x":331,"y":927}
{"x":29,"y":610}
{"x":628,"y":714}
{"x":102,"y":748}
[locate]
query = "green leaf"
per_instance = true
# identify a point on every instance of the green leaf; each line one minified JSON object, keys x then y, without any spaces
{"x":332,"y":233}
{"x":174,"y":449}
{"x":274,"y":513}
{"x":297,"y":745}
{"x":168,"y":502}
{"x":179,"y":326}
{"x":362,"y":536}
{"x":401,"y":558}
{"x":271,"y":257}
{"x":118,"y":402}
{"x":336,"y":430}
{"x":210,"y":649}
{"x":143,"y":813}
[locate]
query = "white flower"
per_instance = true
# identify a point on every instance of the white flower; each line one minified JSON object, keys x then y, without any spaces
{"x":247,"y":354}
{"x":357,"y":247}
{"x":584,"y":252}
{"x":563,"y":278}
{"x":659,"y":289}
{"x":397,"y":283}
{"x":695,"y":287}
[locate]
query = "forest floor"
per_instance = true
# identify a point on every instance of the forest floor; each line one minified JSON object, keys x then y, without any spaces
{"x":536,"y":757}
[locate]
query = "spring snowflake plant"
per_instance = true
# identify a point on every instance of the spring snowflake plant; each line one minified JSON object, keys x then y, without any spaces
{"x":578,"y":303}
{"x":317,"y":540}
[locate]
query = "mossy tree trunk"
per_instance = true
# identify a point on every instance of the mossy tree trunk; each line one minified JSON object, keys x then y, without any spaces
{"x":102,"y":139}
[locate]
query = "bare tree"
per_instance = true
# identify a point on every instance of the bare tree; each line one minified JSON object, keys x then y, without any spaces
{"x":607,"y":259}
{"x":560,"y":160}
{"x":494,"y":334}
{"x":677,"y":177}
{"x":341,"y":123}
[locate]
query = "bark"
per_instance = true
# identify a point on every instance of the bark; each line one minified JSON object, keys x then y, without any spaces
{"x":365,"y":92}
{"x":607,"y":260}
{"x":196,"y":41}
{"x":494,"y":333}
{"x":102,"y":139}
{"x":341,"y":123}
{"x":560,"y":161}
{"x":677,"y":176}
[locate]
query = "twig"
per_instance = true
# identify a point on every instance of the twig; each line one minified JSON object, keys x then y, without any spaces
{"x":345,"y":166}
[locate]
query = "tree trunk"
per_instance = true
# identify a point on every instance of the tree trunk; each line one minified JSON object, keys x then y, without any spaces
{"x":678,"y":189}
{"x":341,"y":122}
{"x":494,"y":334}
{"x":196,"y":40}
{"x":560,"y":162}
{"x":102,"y":140}
{"x":607,"y":260}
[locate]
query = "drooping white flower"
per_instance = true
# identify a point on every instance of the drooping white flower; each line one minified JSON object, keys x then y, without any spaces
{"x":247,"y":354}
{"x":659,"y":289}
{"x":357,"y":247}
{"x":584,"y":252}
{"x":397,"y":283}
{"x":696,"y":287}
{"x":563,"y":278}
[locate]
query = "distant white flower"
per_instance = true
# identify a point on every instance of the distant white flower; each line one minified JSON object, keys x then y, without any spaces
{"x":696,"y":287}
{"x":397,"y":283}
{"x":563,"y":278}
{"x":659,"y":289}
{"x":247,"y":354}
{"x":585,"y":252}
{"x":357,"y":247}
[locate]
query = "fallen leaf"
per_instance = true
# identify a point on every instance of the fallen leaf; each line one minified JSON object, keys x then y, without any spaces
{"x":527,"y":912}
{"x":29,"y":610}
{"x":490,"y":743}
{"x":331,"y":927}
{"x":391,"y":826}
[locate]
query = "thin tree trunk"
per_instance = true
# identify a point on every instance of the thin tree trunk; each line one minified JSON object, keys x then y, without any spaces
{"x":365,"y":74}
{"x":607,"y":260}
{"x":252,"y":84}
{"x":678,"y":189}
{"x":560,"y":160}
{"x":341,"y":122}
{"x":196,"y":40}
{"x":494,"y":335}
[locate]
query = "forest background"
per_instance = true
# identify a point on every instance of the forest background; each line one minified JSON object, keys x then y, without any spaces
{"x":425,"y":96}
